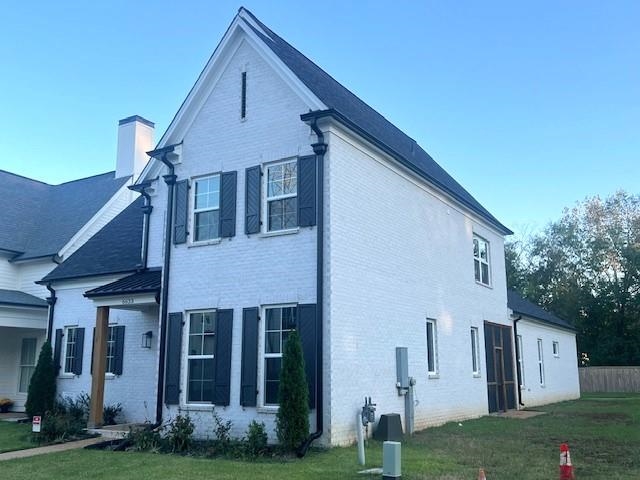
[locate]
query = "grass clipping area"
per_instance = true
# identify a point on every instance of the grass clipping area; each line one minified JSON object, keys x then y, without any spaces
{"x":603,"y":432}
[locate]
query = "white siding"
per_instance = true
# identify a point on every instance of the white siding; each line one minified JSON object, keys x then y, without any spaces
{"x":9,"y":279}
{"x":32,"y":271}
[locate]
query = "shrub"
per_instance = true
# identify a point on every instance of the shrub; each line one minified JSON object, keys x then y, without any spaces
{"x":5,"y":404}
{"x":180,"y":435}
{"x":42,"y":388}
{"x":255,"y":442}
{"x":110,"y":413}
{"x":76,"y":408}
{"x":59,"y":426}
{"x":292,"y":419}
{"x":145,"y":440}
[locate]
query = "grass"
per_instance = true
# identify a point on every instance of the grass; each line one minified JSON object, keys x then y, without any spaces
{"x":603,"y":432}
{"x":15,"y":436}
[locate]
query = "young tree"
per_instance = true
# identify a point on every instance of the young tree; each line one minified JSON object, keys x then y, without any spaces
{"x":42,"y":388}
{"x":292,"y":419}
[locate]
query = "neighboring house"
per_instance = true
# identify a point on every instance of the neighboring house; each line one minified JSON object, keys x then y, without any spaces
{"x":547,"y":354}
{"x":40,"y":226}
{"x":281,"y":201}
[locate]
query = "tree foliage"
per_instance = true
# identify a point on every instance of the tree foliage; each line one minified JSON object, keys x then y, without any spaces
{"x":585,"y":267}
{"x":292,"y":419}
{"x":42,"y":388}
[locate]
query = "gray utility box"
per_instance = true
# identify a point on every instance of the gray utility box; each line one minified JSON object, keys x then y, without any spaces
{"x":389,"y":428}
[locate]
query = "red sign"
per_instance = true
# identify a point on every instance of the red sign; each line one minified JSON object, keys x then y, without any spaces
{"x":35,"y":425}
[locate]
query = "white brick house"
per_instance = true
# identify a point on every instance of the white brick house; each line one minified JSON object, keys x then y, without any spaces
{"x":280,"y":200}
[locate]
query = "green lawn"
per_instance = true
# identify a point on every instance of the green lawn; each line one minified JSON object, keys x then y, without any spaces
{"x":15,"y":436}
{"x":603,"y":432}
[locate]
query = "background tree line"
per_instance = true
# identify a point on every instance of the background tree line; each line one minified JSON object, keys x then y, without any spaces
{"x":585,"y":268}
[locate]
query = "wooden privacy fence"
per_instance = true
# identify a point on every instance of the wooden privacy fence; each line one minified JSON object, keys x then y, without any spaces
{"x":609,"y":379}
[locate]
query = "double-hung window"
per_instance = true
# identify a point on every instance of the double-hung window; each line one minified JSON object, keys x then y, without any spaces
{"x":432,"y":345}
{"x":540,"y":362}
{"x":70,"y":346}
{"x":282,"y":195}
{"x":206,"y":208}
{"x":475,"y":351}
{"x":556,"y":348}
{"x":27,"y":363}
{"x":481,"y":260}
{"x":200,"y":355}
{"x":520,"y":360}
{"x":279,"y":321}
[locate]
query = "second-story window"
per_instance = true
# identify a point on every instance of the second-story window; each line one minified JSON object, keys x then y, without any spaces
{"x":206,"y":208}
{"x":282,"y":195}
{"x":481,"y":260}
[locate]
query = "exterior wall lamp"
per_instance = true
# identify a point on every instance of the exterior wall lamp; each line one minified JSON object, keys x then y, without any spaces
{"x":146,"y":339}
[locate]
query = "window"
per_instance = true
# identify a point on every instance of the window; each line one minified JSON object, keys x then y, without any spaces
{"x":243,"y":96}
{"x":475,"y":351}
{"x":279,"y":321}
{"x":520,"y":361}
{"x":540,"y":362}
{"x":111,"y":350}
{"x":556,"y":349}
{"x":70,"y":350}
{"x":432,"y":356}
{"x":281,"y":197}
{"x":481,"y":260}
{"x":206,"y":208}
{"x":200,"y":354}
{"x":27,"y":363}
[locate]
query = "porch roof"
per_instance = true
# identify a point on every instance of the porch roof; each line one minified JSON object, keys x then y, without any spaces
{"x":147,"y":281}
{"x":21,"y":299}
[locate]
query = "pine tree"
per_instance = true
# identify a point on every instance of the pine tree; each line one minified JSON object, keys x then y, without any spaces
{"x":42,"y":388}
{"x":292,"y":419}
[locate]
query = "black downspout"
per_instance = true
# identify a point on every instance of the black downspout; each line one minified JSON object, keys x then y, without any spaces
{"x":51,"y":300}
{"x":319,"y":148}
{"x":170,"y":180}
{"x":515,"y":335}
{"x":147,"y":208}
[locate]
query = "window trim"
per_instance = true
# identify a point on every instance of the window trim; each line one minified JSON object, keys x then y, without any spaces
{"x":520,"y":360}
{"x":432,"y":373}
{"x":481,"y":261}
{"x":185,"y":357}
{"x":21,"y":365}
{"x":541,"y":375}
{"x":555,"y":348}
{"x":266,"y":199}
{"x":193,"y":211}
{"x":65,"y":346}
{"x":475,"y":351}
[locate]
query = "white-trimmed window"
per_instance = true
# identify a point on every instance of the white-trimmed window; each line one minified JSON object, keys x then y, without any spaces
{"x":540,"y":362}
{"x":481,"y":260}
{"x":520,"y":360}
{"x":281,"y":197}
{"x":27,"y":363}
{"x":556,"y":348}
{"x":111,"y":350}
{"x":279,"y":321}
{"x":206,"y":208}
{"x":475,"y":351}
{"x":200,"y":355}
{"x":432,"y":345}
{"x":70,"y":345}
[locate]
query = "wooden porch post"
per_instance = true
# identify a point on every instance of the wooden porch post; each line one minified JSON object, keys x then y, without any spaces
{"x":99,"y":366}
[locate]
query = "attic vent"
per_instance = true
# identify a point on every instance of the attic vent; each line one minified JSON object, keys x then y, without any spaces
{"x":243,"y":101}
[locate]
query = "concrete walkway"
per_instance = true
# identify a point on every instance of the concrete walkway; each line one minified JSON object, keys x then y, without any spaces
{"x":61,"y":447}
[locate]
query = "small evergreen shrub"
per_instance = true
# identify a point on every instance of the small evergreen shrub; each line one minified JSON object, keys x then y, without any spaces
{"x":110,"y":414}
{"x":292,"y":419}
{"x":180,"y":434}
{"x":255,"y":443}
{"x":42,"y":388}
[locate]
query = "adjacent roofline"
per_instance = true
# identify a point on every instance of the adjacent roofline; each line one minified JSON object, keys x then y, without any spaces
{"x":25,"y":305}
{"x":530,"y":318}
{"x":46,"y":280}
{"x":336,"y":115}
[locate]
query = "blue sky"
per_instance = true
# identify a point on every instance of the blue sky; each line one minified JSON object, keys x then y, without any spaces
{"x":531,"y":107}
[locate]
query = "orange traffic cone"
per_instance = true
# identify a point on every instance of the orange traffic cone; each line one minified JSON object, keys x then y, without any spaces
{"x":566,"y":468}
{"x":481,"y":475}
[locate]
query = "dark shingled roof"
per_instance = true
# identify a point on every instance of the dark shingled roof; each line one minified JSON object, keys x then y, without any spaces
{"x":141,"y":282}
{"x":335,"y":96}
{"x":21,"y":299}
{"x":116,"y":248}
{"x":38,"y":219}
{"x":524,"y":307}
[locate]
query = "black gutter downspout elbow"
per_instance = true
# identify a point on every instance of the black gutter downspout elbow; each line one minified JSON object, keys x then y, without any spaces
{"x":319,"y":148}
{"x":518,"y":353}
{"x":51,"y":300}
{"x":147,"y":208}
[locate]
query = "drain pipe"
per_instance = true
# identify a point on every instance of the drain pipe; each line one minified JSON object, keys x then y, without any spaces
{"x":51,"y":300}
{"x":518,"y":353}
{"x":319,"y":149}
{"x":147,"y":208}
{"x":170,"y":180}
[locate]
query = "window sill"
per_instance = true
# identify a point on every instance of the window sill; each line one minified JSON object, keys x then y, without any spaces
{"x":109,"y":376}
{"x":489,"y":286}
{"x":204,"y":243}
{"x":276,"y":233}
{"x":433,"y":376}
{"x":67,"y":375}
{"x":269,"y":410}
{"x":477,"y":375}
{"x":198,"y":407}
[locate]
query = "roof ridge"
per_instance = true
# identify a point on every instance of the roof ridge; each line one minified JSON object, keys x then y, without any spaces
{"x":85,"y":178}
{"x":25,"y":177}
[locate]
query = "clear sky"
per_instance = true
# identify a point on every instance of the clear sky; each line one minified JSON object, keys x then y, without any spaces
{"x":531,"y":107}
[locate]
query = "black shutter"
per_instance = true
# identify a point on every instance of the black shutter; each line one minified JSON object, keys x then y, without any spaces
{"x":252,"y":199}
{"x":307,"y":191}
{"x":228,"y":204}
{"x":57,"y":350}
{"x":172,"y":360}
{"x":224,"y":331}
{"x":307,"y":330}
{"x":77,"y":359}
{"x":181,"y":211}
{"x":249,"y":368}
{"x":119,"y":347}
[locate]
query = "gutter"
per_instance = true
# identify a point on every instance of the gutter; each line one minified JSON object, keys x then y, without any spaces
{"x":51,"y":300}
{"x":515,"y":334}
{"x":319,"y":148}
{"x":146,"y":210}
